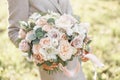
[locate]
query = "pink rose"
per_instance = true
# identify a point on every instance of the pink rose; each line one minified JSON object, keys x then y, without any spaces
{"x":44,"y":42}
{"x":24,"y":46}
{"x":47,"y":27}
{"x":41,"y":22}
{"x":78,"y":41}
{"x":54,"y":33}
{"x":21,"y":34}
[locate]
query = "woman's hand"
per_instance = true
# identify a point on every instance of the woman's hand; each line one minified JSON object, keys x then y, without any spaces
{"x":70,"y":73}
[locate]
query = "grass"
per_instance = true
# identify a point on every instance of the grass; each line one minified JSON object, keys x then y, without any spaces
{"x":104,"y":17}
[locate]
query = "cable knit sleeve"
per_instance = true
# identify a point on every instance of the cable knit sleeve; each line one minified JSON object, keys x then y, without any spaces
{"x":18,"y":10}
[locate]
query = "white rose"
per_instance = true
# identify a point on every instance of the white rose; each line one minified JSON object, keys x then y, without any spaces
{"x":49,"y":53}
{"x":66,"y":50}
{"x":65,"y":21}
{"x":81,"y":28}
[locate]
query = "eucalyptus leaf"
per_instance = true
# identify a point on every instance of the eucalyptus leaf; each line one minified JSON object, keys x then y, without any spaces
{"x":87,"y":48}
{"x":36,"y":41}
{"x":39,"y":64}
{"x":51,"y":20}
{"x":31,"y":37}
{"x":48,"y":63}
{"x":39,"y":33}
{"x":31,"y":24}
{"x":23,"y":25}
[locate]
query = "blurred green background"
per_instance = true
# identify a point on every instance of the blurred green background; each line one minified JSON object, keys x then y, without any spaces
{"x":104,"y":17}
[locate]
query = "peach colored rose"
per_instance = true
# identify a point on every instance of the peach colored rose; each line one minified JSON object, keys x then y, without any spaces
{"x":36,"y":48}
{"x":44,"y":42}
{"x":21,"y":34}
{"x":66,"y":50}
{"x":52,"y":67}
{"x":41,"y":22}
{"x":63,"y":36}
{"x":24,"y":46}
{"x":38,"y":58}
{"x":47,"y":27}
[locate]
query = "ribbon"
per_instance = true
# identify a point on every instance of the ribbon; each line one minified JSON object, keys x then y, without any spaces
{"x":96,"y":62}
{"x":94,"y":59}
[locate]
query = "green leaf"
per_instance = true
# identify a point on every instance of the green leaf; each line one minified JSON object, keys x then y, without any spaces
{"x":51,"y":20}
{"x":87,"y":48}
{"x":36,"y":41}
{"x":39,"y":33}
{"x":30,"y":53}
{"x":24,"y":25}
{"x":31,"y":24}
{"x":62,"y":62}
{"x":48,"y":63}
{"x":39,"y":64}
{"x":31,"y":37}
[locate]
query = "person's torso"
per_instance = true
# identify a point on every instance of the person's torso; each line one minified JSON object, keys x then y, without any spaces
{"x":59,"y":6}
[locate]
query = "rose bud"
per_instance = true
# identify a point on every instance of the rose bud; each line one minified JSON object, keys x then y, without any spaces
{"x":24,"y":46}
{"x":21,"y":34}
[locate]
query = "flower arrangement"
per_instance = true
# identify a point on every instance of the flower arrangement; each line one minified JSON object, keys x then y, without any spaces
{"x":52,"y":39}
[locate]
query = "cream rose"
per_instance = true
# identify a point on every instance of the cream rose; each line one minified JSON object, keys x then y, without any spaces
{"x":66,"y":50}
{"x":41,"y":22}
{"x":47,"y":27}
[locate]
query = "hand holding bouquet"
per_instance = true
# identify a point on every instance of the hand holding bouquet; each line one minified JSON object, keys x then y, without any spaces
{"x":52,"y":39}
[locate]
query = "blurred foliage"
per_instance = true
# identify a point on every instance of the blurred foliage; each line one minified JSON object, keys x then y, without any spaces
{"x":104,"y":17}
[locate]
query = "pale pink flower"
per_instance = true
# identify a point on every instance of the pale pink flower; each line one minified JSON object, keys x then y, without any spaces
{"x":45,"y":42}
{"x":41,"y":22}
{"x":54,"y":33}
{"x":21,"y":34}
{"x":47,"y":27}
{"x":24,"y":46}
{"x":77,"y":42}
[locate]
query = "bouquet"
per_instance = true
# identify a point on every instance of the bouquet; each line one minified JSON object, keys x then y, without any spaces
{"x":52,"y":39}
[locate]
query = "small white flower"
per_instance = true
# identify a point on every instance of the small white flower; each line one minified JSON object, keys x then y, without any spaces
{"x":49,"y":53}
{"x":54,"y":42}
